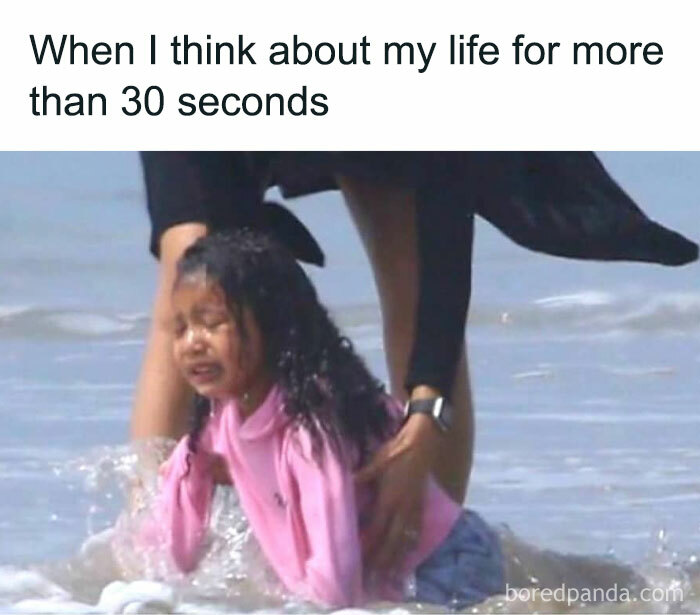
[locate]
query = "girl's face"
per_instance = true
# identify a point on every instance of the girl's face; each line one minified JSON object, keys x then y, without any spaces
{"x":208,"y":347}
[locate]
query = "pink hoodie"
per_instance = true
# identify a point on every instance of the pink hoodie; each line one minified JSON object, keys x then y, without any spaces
{"x":305,"y":515}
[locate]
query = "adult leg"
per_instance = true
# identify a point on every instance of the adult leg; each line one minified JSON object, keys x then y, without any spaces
{"x":392,"y":250}
{"x":162,"y":396}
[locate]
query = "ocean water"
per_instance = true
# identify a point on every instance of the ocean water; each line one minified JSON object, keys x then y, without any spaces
{"x":585,"y":379}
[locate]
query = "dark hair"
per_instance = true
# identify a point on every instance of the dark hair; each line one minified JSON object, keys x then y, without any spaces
{"x":325,"y":384}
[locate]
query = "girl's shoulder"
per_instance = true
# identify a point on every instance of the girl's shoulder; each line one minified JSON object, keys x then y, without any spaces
{"x":314,"y":444}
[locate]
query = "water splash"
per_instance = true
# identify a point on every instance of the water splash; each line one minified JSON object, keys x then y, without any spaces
{"x":111,"y":573}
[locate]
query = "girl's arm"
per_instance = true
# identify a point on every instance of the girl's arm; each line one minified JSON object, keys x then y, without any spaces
{"x":182,"y":508}
{"x":325,"y":497}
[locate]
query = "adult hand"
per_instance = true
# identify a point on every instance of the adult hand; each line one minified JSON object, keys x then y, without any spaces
{"x":401,"y":468}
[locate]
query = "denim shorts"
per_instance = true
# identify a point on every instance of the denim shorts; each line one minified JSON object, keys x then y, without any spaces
{"x":465,"y":569}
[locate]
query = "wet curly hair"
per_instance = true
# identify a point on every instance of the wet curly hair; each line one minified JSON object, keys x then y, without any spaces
{"x":326,"y":386}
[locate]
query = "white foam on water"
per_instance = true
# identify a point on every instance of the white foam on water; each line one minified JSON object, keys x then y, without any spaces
{"x":89,"y":324}
{"x":72,"y":357}
{"x":595,"y":312}
{"x":134,"y":342}
{"x":32,"y":322}
{"x":641,"y":371}
{"x":8,"y":311}
{"x":133,"y":316}
{"x":583,"y":298}
{"x":590,"y":417}
{"x":73,"y":386}
{"x":535,"y":373}
{"x":110,"y":575}
{"x":18,"y":583}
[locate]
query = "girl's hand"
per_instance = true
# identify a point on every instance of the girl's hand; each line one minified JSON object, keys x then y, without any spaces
{"x":217,"y":467}
{"x":401,"y":468}
{"x":163,"y":468}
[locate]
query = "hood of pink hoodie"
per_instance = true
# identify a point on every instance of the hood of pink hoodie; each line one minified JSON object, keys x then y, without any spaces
{"x":267,"y":419}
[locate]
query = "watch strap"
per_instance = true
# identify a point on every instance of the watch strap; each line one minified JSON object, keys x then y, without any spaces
{"x":435,"y":407}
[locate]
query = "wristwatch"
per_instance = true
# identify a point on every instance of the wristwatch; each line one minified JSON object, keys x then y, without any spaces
{"x":436,"y":407}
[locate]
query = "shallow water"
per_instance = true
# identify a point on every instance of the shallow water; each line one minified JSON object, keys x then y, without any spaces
{"x":585,"y":379}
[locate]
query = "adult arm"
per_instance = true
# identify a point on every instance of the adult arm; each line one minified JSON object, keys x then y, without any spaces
{"x":444,"y":229}
{"x":401,"y":467}
{"x":188,"y":194}
{"x":162,"y":396}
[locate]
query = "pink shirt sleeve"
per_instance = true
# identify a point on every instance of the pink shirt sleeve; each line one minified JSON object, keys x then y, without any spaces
{"x":329,"y":533}
{"x":183,"y":505}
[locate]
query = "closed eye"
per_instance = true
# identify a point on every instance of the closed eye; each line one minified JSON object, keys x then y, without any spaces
{"x":179,"y":327}
{"x":212,"y":320}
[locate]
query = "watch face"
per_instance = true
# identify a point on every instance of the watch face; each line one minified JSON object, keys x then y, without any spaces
{"x":445,"y":414}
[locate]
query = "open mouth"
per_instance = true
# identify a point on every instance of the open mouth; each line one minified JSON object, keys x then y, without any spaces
{"x":202,"y":373}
